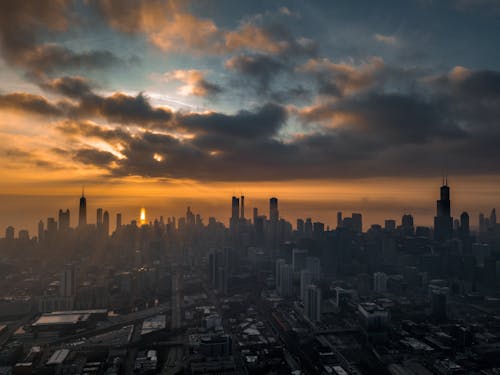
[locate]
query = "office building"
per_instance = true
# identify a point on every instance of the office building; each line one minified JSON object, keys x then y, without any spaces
{"x":82,"y":213}
{"x":312,"y":305}
{"x":443,"y":222}
{"x":379,"y":282}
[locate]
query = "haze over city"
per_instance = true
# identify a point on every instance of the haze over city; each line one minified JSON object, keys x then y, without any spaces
{"x":249,"y":187}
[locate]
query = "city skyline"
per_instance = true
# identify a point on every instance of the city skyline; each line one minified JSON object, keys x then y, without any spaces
{"x":281,"y":96}
{"x":146,"y":216}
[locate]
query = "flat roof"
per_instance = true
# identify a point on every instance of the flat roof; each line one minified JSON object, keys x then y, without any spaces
{"x":58,"y":357}
{"x":66,"y":319}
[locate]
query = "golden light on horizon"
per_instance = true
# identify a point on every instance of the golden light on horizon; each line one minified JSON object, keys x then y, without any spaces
{"x":142,"y":217}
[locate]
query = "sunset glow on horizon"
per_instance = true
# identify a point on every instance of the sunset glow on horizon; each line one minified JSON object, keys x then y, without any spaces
{"x":313,"y":103}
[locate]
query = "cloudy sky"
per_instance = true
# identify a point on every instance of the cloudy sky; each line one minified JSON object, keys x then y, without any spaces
{"x":334,"y":104}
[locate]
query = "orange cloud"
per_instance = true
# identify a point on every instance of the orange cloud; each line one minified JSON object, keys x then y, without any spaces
{"x":194,"y":82}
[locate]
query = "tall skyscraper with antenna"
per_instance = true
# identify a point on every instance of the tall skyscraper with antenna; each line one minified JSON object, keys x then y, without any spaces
{"x":443,"y":222}
{"x":82,"y":213}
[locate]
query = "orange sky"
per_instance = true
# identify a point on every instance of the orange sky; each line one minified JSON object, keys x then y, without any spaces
{"x":24,"y":204}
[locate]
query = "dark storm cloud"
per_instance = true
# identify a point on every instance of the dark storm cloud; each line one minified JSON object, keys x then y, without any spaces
{"x":22,"y":26}
{"x":259,"y":68}
{"x":94,"y":157}
{"x":73,"y":87}
{"x":366,"y":134}
{"x":264,"y":122}
{"x":126,"y":109}
{"x":393,"y":117}
{"x":30,"y":103}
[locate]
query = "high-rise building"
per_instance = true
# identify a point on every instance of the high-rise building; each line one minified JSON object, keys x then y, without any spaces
{"x":305,"y":281}
{"x":299,"y":259}
{"x":273,"y":210}
{"x":300,"y":226}
{"x":277,"y":270}
{"x":312,"y":306}
{"x":339,"y":219}
{"x":63,"y":220}
{"x":443,"y":222}
{"x":390,"y":225}
{"x":357,"y":223}
{"x":41,"y":231}
{"x":82,"y":213}
{"x":51,"y":227}
{"x":313,"y":265}
{"x":407,"y":225}
{"x":235,"y":212}
{"x":379,"y":282}
{"x":242,"y":207}
{"x":118,"y":221}
{"x":493,"y":218}
{"x":9,"y":233}
{"x":464,"y":223}
{"x":105,"y":222}
{"x":99,"y":218}
{"x":273,"y":222}
{"x":68,"y":282}
{"x":308,"y":227}
{"x":255,"y":214}
{"x":285,"y":280}
{"x":482,"y":224}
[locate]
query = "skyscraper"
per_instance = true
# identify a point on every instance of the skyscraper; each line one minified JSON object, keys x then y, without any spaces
{"x":493,"y":218}
{"x":235,"y":212}
{"x":242,"y":207}
{"x":82,"y":213}
{"x":357,"y":223}
{"x":443,"y":222}
{"x":68,"y":282}
{"x":99,"y":218}
{"x":464,"y":223}
{"x":63,"y":220}
{"x":305,"y":281}
{"x":339,"y":219}
{"x":118,"y":221}
{"x":273,"y":210}
{"x":105,"y":222}
{"x":312,"y":305}
{"x":41,"y":231}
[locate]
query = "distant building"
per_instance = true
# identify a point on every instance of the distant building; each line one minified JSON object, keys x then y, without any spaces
{"x":299,"y":259}
{"x":313,"y":265}
{"x":443,"y":222}
{"x":105,"y":223}
{"x":357,"y":223}
{"x":68,"y":281}
{"x":64,"y":220}
{"x":285,"y":284}
{"x":9,"y":233}
{"x":379,"y":282}
{"x":82,"y":213}
{"x":305,"y":281}
{"x":312,"y":305}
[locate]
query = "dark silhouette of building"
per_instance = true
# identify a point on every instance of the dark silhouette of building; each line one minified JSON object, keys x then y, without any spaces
{"x":407,"y":226}
{"x":443,"y":222}
{"x":105,"y":222}
{"x":99,"y":218}
{"x":464,"y":223}
{"x":82,"y":213}
{"x":357,"y":223}
{"x":118,"y":221}
{"x":235,"y":212}
{"x":242,"y":207}
{"x":339,"y":219}
{"x":63,"y":220}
